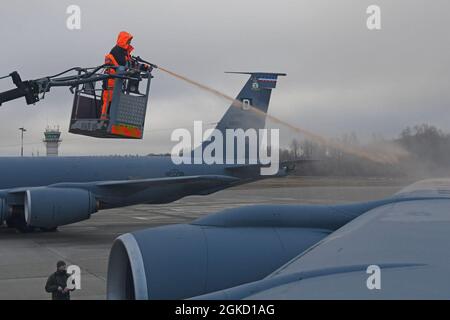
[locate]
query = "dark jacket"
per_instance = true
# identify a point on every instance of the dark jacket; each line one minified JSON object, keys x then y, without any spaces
{"x":121,"y":55}
{"x":56,"y":280}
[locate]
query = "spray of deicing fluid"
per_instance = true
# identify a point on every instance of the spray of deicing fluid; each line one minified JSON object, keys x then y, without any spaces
{"x":381,"y":153}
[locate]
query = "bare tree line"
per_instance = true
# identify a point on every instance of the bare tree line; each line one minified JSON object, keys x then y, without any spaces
{"x":428,"y":150}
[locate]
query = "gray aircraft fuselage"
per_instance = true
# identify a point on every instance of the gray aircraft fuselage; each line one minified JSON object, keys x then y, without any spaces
{"x":42,"y":171}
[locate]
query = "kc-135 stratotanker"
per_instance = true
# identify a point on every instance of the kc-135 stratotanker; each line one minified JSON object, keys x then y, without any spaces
{"x":45,"y":192}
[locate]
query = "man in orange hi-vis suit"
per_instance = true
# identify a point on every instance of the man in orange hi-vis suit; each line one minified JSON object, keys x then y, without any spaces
{"x":120,"y":55}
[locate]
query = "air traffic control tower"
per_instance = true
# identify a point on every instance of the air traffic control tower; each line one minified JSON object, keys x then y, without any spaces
{"x":52,"y":141}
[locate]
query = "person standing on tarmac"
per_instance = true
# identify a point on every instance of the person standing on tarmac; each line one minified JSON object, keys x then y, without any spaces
{"x":57,"y":283}
{"x":120,"y":55}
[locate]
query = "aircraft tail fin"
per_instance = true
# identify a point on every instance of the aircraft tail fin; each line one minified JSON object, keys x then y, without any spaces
{"x":255,"y":93}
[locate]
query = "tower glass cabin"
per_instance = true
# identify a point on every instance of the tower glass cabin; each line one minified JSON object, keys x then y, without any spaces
{"x":52,"y":140}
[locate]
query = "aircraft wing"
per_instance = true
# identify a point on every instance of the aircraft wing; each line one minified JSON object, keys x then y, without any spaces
{"x":48,"y":207}
{"x":157,"y":189}
{"x":408,"y":240}
{"x":139,"y":184}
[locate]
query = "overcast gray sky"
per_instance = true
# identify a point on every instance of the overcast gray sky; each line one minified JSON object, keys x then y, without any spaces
{"x":341,"y":76}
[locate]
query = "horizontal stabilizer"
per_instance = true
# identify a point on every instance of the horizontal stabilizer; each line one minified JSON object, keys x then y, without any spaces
{"x":262,"y":80}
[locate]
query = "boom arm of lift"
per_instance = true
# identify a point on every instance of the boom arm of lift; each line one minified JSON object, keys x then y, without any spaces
{"x":32,"y":89}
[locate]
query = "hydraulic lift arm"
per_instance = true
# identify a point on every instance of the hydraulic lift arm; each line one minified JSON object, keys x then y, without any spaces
{"x":32,"y":89}
{"x":126,"y":105}
{"x":27,"y":89}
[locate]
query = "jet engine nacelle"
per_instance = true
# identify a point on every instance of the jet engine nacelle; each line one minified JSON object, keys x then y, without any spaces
{"x":182,"y":261}
{"x":221,"y":250}
{"x":53,"y":207}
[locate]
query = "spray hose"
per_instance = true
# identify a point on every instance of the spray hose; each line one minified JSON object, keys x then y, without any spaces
{"x":357,"y":151}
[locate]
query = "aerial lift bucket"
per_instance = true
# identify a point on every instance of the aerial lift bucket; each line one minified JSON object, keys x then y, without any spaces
{"x":126,"y":113}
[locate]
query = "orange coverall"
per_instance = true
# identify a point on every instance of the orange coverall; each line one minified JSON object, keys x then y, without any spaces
{"x":120,"y":55}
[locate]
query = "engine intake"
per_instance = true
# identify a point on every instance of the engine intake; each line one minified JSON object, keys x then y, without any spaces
{"x":52,"y":207}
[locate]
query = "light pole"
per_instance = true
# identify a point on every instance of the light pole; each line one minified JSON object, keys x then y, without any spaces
{"x":21,"y":144}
